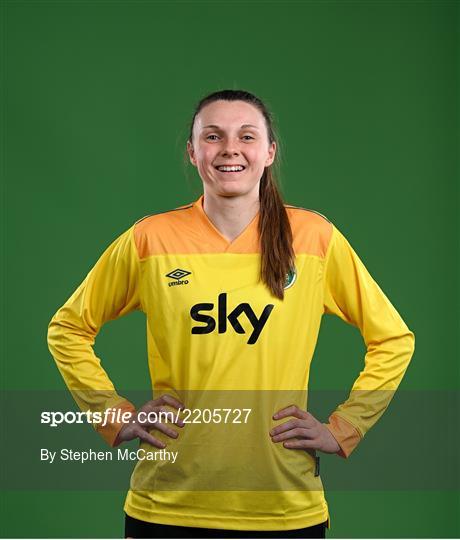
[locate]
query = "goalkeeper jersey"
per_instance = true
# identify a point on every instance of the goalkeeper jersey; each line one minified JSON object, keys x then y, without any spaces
{"x":234,"y":355}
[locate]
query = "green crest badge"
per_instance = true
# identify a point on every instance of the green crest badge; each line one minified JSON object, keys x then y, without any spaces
{"x":290,"y":278}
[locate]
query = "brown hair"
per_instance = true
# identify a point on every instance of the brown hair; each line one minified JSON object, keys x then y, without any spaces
{"x":277,"y":253}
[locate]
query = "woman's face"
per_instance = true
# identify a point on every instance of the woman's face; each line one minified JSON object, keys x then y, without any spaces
{"x":228,"y":133}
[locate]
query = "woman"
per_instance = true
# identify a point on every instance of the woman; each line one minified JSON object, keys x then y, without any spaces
{"x":233,"y":286}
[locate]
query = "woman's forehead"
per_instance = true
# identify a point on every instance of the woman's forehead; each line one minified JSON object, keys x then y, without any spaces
{"x":229,"y":113}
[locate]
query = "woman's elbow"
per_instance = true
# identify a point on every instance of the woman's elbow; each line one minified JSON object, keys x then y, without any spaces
{"x":411,"y":342}
{"x":52,"y":335}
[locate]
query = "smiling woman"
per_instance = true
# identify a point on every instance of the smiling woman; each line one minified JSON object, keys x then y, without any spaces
{"x":238,"y":334}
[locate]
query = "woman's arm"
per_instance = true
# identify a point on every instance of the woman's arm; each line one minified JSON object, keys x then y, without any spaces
{"x":352,"y":294}
{"x":110,"y":290}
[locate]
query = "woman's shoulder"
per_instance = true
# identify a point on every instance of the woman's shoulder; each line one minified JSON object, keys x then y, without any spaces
{"x":157,"y":232}
{"x":305,"y":213}
{"x":163,"y":215}
{"x":311,"y":230}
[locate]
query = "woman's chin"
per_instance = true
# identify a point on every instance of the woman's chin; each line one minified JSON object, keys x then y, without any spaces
{"x":234,"y":188}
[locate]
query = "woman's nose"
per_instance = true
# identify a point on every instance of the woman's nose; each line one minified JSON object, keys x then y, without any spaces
{"x":230,"y":149}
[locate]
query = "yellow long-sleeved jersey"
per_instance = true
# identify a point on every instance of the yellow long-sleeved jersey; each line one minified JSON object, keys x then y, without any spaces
{"x":219,"y":340}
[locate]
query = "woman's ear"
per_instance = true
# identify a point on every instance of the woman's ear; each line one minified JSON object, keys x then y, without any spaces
{"x":271,"y":154}
{"x":191,"y":153}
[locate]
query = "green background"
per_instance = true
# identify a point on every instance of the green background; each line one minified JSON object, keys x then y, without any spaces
{"x":97,"y":99}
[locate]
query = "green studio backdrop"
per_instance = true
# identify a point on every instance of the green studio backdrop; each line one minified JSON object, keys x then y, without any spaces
{"x":97,"y":101}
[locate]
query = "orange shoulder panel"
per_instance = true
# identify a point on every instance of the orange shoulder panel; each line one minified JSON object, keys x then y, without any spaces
{"x":181,"y":231}
{"x":311,"y":231}
{"x":164,"y":232}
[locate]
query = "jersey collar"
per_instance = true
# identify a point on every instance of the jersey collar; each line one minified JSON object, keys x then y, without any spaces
{"x":246,"y":242}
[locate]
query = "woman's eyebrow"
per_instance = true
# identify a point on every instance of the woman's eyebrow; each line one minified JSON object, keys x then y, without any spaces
{"x":242,"y":127}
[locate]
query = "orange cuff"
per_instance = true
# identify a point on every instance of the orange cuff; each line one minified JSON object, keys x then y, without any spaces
{"x":110,"y":431}
{"x":344,"y":433}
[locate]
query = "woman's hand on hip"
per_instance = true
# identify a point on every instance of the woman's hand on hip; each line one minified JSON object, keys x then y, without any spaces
{"x":148,"y":416}
{"x":303,"y":431}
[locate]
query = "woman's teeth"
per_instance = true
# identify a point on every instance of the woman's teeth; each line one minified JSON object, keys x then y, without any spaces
{"x":230,"y":169}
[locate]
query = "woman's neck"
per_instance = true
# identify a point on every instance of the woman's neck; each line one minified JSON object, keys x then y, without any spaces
{"x":231,"y":215}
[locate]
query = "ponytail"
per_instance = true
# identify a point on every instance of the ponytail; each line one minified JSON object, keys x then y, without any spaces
{"x":277,"y":253}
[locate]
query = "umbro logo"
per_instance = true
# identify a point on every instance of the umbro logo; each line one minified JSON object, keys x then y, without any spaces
{"x":177,"y":275}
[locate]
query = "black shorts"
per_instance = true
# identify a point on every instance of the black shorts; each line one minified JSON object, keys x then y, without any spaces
{"x":135,"y":528}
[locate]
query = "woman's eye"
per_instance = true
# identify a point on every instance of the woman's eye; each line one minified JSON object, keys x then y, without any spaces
{"x":245,"y":137}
